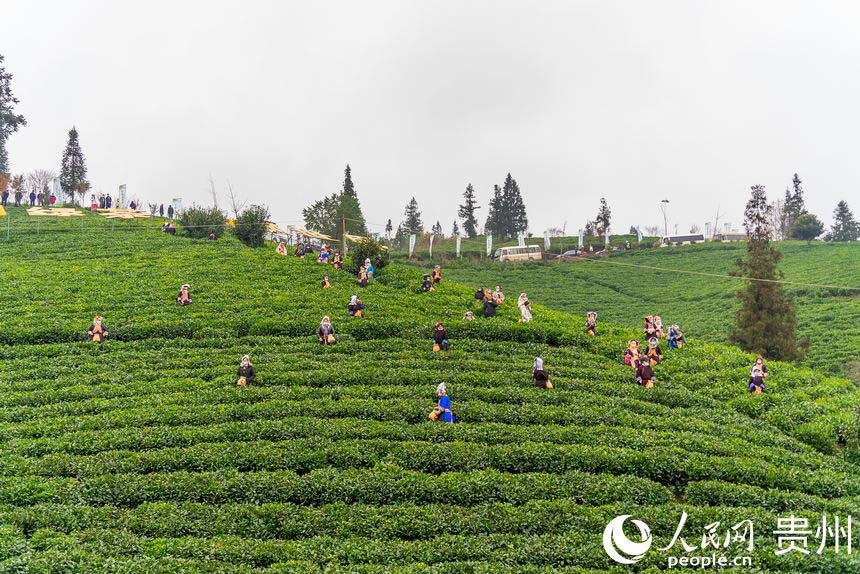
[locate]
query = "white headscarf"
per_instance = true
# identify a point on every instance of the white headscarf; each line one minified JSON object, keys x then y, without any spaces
{"x":325,"y":320}
{"x":441,"y":388}
{"x":353,"y":299}
{"x":246,"y":358}
{"x":538,"y":364}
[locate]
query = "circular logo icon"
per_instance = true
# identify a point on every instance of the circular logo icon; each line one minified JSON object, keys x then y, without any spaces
{"x":619,"y":547}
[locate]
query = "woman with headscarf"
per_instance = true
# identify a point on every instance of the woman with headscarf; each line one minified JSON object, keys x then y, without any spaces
{"x":325,"y":332}
{"x":97,"y":331}
{"x":480,"y":294}
{"x":426,"y":284}
{"x":323,"y":258}
{"x":498,"y":296}
{"x":440,"y":338}
{"x":490,"y":305}
{"x":246,"y":373}
{"x":468,"y":316}
{"x":443,"y":407}
{"x":437,"y":274}
{"x":658,"y":326}
{"x":757,"y":376}
{"x":326,"y":284}
{"x":591,"y":323}
{"x":645,"y":375}
{"x":525,"y":308}
{"x":355,"y":307}
{"x":369,"y":269}
{"x":337,"y":260}
{"x":654,"y":352}
{"x":676,"y":337}
{"x":631,"y":354}
{"x":282,"y":248}
{"x":540,"y":375}
{"x":184,"y":298}
{"x":362,"y":276}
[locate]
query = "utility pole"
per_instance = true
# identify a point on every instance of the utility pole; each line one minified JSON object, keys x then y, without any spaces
{"x":343,"y":237}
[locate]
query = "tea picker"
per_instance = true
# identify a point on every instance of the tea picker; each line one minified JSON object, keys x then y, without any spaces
{"x":325,"y":332}
{"x":443,"y":407}
{"x":757,"y":376}
{"x":184,"y":298}
{"x":525,"y":308}
{"x":355,"y":307}
{"x":97,"y":331}
{"x":246,"y":373}
{"x":440,"y":338}
{"x":591,"y":323}
{"x":540,"y":375}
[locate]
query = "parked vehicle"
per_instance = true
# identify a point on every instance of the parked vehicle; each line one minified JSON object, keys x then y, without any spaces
{"x":529,"y":252}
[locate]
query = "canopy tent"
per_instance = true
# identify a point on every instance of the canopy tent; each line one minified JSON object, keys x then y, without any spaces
{"x":54,"y":212}
{"x":123,"y":213}
{"x":309,"y":233}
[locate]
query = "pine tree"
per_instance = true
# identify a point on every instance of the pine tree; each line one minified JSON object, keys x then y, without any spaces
{"x":793,"y":207}
{"x":74,"y":168}
{"x":413,"y":222}
{"x":514,"y":210}
{"x":348,"y":187}
{"x":845,"y":227}
{"x":455,"y":229}
{"x":388,"y":229}
{"x":603,"y":219}
{"x":467,"y":212}
{"x":9,"y":120}
{"x":494,"y":225}
{"x":765,"y":323}
{"x":807,"y":227}
{"x":437,"y":229}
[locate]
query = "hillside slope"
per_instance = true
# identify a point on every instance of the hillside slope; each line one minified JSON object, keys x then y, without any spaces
{"x":628,"y":286}
{"x":141,"y":455}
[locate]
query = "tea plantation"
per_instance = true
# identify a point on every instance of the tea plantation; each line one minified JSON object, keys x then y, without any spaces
{"x":626,"y":287}
{"x":142,"y":454}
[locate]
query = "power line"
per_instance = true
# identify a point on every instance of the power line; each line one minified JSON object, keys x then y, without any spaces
{"x":723,"y":276}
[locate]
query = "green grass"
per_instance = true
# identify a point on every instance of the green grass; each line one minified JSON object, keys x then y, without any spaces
{"x":142,"y":455}
{"x":622,"y":292}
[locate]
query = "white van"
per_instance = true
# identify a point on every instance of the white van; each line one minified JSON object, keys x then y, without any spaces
{"x":529,"y":252}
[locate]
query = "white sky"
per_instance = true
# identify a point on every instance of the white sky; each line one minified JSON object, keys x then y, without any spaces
{"x":635,"y":101}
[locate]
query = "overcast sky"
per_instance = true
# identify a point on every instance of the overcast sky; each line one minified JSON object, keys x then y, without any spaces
{"x":692,"y":101}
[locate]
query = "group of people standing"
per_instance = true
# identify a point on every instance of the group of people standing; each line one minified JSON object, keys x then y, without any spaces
{"x":19,"y":197}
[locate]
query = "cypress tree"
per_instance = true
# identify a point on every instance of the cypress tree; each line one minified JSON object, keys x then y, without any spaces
{"x":494,"y":224}
{"x":348,"y":186}
{"x":413,"y":222}
{"x":455,"y":229}
{"x":514,"y":219}
{"x":467,"y":212}
{"x":388,"y":229}
{"x":73,"y":173}
{"x":845,"y":227}
{"x":765,"y":323}
{"x":603,"y":219}
{"x":9,"y":120}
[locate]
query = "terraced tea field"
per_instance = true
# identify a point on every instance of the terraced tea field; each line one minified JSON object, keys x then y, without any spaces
{"x":626,"y":287}
{"x":142,"y":455}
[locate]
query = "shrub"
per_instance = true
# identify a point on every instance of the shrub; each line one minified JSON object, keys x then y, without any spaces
{"x":251,"y":225}
{"x":199,"y":222}
{"x":366,"y":249}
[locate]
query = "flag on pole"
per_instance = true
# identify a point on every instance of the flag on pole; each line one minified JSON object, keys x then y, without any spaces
{"x":521,"y":240}
{"x":606,"y":236}
{"x":638,"y":235}
{"x":581,"y":239}
{"x":546,"y":240}
{"x":458,"y":246}
{"x":489,"y":244}
{"x":431,"y":245}
{"x":411,"y":244}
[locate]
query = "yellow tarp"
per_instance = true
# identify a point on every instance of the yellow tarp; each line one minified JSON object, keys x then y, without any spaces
{"x":2,"y":211}
{"x":308,"y":233}
{"x":54,"y":212}
{"x":121,"y":213}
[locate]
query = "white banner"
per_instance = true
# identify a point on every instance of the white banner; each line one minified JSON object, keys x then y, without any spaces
{"x":458,"y":246}
{"x":638,"y":235}
{"x":489,"y":244}
{"x":521,"y":239}
{"x":121,"y":196}
{"x":546,"y":240}
{"x":411,"y":244}
{"x":431,"y":245}
{"x":581,"y":239}
{"x":606,"y":236}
